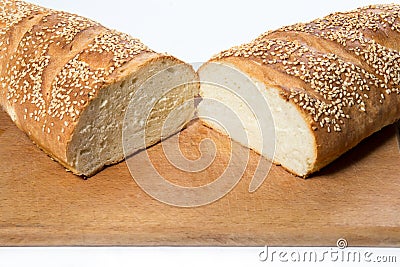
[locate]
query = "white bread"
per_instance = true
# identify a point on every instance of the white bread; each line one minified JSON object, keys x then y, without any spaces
{"x":327,"y":84}
{"x":66,"y":81}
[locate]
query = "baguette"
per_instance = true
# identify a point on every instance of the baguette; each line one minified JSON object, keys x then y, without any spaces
{"x":328,"y":84}
{"x":67,"y":81}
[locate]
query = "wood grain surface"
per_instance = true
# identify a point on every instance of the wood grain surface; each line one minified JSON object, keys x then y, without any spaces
{"x":357,"y":198}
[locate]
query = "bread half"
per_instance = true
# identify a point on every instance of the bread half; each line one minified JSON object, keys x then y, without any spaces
{"x":327,"y":84}
{"x":67,"y":82}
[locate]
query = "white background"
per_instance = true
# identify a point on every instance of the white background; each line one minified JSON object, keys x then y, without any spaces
{"x":193,"y":31}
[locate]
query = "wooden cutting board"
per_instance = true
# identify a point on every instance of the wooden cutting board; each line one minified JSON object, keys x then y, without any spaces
{"x":357,"y":198}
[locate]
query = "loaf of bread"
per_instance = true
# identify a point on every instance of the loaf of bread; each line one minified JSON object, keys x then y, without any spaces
{"x":327,"y":84}
{"x":66,"y":81}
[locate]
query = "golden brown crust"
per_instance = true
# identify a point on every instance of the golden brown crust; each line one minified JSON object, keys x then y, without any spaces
{"x":341,"y":71}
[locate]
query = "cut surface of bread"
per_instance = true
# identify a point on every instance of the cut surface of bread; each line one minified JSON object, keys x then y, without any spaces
{"x":97,"y":140}
{"x":271,"y":125}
